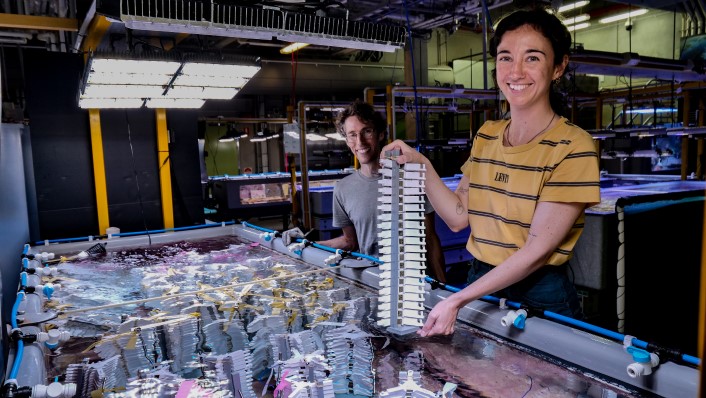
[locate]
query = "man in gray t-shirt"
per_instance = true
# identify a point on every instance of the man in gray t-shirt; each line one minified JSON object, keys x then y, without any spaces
{"x":355,"y":196}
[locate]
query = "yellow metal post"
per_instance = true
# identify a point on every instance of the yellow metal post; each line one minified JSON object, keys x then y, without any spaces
{"x":99,"y":170}
{"x":165,"y":170}
{"x":98,"y":27}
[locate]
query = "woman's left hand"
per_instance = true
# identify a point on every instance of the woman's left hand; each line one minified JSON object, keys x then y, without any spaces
{"x":407,"y":153}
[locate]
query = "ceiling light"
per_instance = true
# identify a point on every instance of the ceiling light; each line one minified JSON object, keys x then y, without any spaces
{"x":626,"y":15}
{"x":182,"y":103}
{"x":576,"y":19}
{"x":578,"y":26}
{"x":335,"y":136}
{"x":293,"y":47}
{"x":231,"y":134}
{"x":162,"y":83}
{"x":650,"y":110}
{"x":262,"y":139}
{"x":572,"y":6}
{"x":315,"y":137}
{"x":105,"y":103}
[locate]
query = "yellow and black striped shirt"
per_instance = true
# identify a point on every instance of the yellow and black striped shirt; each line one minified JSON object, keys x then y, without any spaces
{"x":507,"y":182}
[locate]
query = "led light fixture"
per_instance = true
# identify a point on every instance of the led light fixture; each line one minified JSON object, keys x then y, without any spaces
{"x":649,"y":111}
{"x":335,"y":136}
{"x":626,"y":15}
{"x":573,"y":6}
{"x":293,"y":47}
{"x":578,"y":26}
{"x":114,"y":81}
{"x":576,"y":19}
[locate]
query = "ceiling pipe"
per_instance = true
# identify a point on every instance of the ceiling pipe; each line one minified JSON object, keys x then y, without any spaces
{"x":687,"y":21}
{"x":84,"y":26}
{"x":50,"y":39}
{"x":19,"y":35}
{"x":701,"y":10}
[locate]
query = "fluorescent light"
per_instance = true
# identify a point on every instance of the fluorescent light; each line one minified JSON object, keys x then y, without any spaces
{"x":576,"y":19}
{"x":293,"y":47}
{"x":626,"y":15}
{"x":128,"y":78}
{"x":168,"y":83}
{"x":113,"y":65}
{"x":315,"y":137}
{"x":201,"y":92}
{"x":572,"y":6}
{"x":258,"y":139}
{"x":273,"y":136}
{"x":121,"y":91}
{"x":89,"y":103}
{"x":335,"y":136}
{"x":578,"y":26}
{"x":184,"y":103}
{"x":211,"y":69}
{"x":651,"y":110}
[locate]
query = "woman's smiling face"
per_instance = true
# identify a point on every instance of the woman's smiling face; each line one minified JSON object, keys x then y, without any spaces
{"x":525,"y":67}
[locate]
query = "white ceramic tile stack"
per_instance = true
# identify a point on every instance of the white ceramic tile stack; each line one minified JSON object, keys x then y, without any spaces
{"x":402,"y":246}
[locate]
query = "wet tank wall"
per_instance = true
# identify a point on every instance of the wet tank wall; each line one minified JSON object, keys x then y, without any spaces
{"x":304,"y":328}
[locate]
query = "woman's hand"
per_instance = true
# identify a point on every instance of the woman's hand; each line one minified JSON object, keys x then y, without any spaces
{"x":407,"y":153}
{"x":441,"y":319}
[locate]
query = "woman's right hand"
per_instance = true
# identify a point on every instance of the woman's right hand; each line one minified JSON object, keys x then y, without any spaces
{"x":407,"y":153}
{"x":441,"y":319}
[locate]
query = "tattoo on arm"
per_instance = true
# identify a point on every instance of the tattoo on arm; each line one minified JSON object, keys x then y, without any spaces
{"x":459,"y":208}
{"x":463,"y":190}
{"x":532,"y":234}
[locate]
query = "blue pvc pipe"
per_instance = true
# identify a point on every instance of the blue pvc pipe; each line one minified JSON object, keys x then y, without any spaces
{"x":247,"y":224}
{"x":154,"y":231}
{"x":355,"y":254}
{"x":574,"y":322}
{"x":20,"y":343}
{"x":317,"y":245}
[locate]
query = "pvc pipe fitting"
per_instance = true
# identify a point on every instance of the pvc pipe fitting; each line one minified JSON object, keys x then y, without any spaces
{"x":298,"y":248}
{"x":334,"y":258}
{"x":267,"y":236}
{"x":48,"y":289}
{"x":52,"y":338}
{"x":45,"y":271}
{"x":515,"y":318}
{"x":54,"y":390}
{"x":644,"y":362}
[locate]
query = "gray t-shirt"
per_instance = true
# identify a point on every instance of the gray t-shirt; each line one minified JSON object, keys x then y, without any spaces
{"x":355,"y":201}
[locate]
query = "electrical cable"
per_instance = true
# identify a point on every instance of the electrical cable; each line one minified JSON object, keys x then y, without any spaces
{"x":137,"y":181}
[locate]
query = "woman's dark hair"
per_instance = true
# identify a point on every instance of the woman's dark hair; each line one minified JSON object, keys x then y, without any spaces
{"x":366,"y":113}
{"x":550,"y":27}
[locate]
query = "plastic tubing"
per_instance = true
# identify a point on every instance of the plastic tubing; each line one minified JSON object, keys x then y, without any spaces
{"x":318,"y":246}
{"x":20,"y":343}
{"x":154,"y":231}
{"x":253,"y":226}
{"x":574,"y":322}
